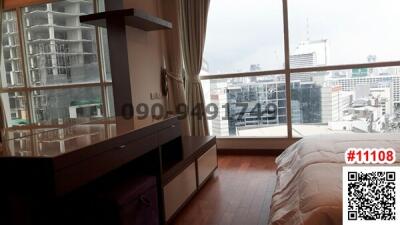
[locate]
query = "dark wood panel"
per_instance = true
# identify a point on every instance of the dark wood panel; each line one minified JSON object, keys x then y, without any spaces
{"x":168,"y":134}
{"x":90,"y":164}
{"x":85,"y":161}
{"x":133,"y":17}
{"x":90,"y":169}
{"x":89,"y":151}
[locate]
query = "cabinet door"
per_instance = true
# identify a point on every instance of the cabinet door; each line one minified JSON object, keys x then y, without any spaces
{"x":206,"y":164}
{"x":179,"y":190}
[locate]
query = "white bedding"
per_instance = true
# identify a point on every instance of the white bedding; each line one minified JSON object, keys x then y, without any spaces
{"x":309,"y":177}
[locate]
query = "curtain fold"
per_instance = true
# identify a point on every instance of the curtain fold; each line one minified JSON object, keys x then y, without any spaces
{"x":194,"y":24}
{"x":1,"y":65}
{"x":176,"y":90}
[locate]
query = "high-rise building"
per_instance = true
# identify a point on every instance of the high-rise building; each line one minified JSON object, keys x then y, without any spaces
{"x":383,"y":81}
{"x":12,"y":72}
{"x":309,"y":54}
{"x":59,"y":51}
{"x":218,"y":98}
{"x":306,"y":102}
{"x":59,"y":48}
{"x":334,"y":101}
{"x":263,"y":103}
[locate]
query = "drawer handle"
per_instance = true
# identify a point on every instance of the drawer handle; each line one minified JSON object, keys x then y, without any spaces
{"x":172,"y":126}
{"x":122,"y":147}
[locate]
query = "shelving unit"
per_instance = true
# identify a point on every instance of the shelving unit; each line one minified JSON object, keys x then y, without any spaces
{"x":133,"y":18}
{"x":192,"y":148}
{"x":116,"y":21}
{"x":184,"y":170}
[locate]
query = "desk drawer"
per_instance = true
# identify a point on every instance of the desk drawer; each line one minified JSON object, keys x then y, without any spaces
{"x":179,"y":190}
{"x":206,"y":164}
{"x":87,"y":170}
{"x":168,"y":134}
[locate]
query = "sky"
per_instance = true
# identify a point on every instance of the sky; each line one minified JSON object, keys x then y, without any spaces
{"x":245,"y":32}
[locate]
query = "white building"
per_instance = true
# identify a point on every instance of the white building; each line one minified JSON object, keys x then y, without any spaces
{"x":59,"y":48}
{"x":218,"y":98}
{"x":383,"y":81}
{"x":309,"y":54}
{"x":333,"y":103}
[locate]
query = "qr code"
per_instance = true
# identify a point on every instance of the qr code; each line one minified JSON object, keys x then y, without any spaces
{"x":369,"y":194}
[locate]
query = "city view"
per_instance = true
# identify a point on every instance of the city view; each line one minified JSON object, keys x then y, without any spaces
{"x":363,"y":100}
{"x":60,"y":56}
{"x":52,"y":68}
{"x":320,"y":33}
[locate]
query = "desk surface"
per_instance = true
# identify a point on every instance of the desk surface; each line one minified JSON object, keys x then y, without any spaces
{"x":52,"y":140}
{"x":63,"y":159}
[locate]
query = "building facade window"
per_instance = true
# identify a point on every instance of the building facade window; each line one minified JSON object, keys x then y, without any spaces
{"x":54,"y":68}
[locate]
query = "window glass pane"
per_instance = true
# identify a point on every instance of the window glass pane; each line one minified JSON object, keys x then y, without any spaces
{"x":244,"y":36}
{"x":101,"y":6}
{"x":343,"y":32}
{"x":248,"y":106}
{"x":105,"y":55}
{"x":15,"y":108}
{"x":59,"y":48}
{"x":110,"y":101}
{"x":11,"y":52}
{"x":349,"y":101}
{"x":60,"y":105}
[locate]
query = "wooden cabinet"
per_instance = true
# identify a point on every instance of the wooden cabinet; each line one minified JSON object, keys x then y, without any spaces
{"x":184,"y":177}
{"x":66,"y":180}
{"x":206,"y":164}
{"x":177,"y":191}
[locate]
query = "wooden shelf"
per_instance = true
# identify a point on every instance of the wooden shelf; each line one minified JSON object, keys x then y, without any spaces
{"x":133,"y":18}
{"x":192,"y":148}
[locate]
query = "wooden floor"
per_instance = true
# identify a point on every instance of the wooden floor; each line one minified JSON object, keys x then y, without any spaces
{"x":238,"y":194}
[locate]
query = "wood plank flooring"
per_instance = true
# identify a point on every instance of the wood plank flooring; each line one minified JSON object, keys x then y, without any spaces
{"x":239,"y":193}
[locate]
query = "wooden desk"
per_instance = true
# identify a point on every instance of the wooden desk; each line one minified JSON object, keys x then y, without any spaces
{"x":43,"y":171}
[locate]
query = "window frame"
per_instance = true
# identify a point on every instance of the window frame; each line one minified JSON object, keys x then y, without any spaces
{"x":234,"y":142}
{"x":27,"y":89}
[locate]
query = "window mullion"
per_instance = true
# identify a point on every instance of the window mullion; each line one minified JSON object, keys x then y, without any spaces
{"x":287,"y":69}
{"x":24,"y":65}
{"x":100,"y":65}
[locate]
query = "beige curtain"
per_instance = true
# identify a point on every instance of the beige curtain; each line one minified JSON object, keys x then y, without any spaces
{"x":1,"y":64}
{"x":194,"y":23}
{"x":176,"y":90}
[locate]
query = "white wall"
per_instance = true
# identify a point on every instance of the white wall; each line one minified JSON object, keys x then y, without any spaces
{"x":145,"y":53}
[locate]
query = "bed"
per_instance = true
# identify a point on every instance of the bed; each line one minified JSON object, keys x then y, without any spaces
{"x":309,"y":177}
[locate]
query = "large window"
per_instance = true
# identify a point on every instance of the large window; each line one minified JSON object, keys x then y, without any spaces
{"x":344,"y":32}
{"x":247,"y":106}
{"x":238,"y":40}
{"x":342,"y":62}
{"x":54,"y":69}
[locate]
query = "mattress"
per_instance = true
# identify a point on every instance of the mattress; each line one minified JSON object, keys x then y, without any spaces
{"x":309,"y":177}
